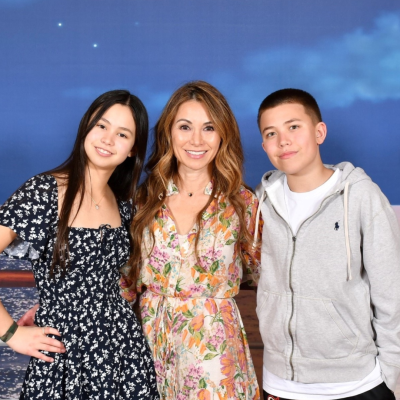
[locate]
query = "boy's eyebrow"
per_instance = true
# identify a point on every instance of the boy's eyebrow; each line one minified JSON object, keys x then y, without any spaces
{"x":292,"y":120}
{"x":121,"y":127}
{"x":285,"y":123}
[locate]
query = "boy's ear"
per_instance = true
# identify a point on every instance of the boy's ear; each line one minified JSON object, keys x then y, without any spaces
{"x":320,"y":132}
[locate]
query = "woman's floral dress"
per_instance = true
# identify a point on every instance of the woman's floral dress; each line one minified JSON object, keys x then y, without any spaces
{"x":190,"y":317}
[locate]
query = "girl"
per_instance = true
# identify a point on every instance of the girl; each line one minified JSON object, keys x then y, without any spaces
{"x":74,"y":221}
{"x":195,"y":223}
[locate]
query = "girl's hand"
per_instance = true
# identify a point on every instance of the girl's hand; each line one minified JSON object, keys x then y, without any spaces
{"x":28,"y":318}
{"x":30,"y":339}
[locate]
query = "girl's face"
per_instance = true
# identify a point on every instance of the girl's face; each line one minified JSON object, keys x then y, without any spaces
{"x":195,"y":140}
{"x":112,"y":139}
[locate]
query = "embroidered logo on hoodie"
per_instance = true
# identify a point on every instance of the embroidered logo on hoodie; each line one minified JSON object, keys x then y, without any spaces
{"x":336,"y":226}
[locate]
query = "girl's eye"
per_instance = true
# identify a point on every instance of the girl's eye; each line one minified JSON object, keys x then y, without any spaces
{"x":101,"y":126}
{"x":292,"y":127}
{"x":122,"y":135}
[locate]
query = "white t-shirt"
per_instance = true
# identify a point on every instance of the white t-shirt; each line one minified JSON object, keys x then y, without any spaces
{"x":301,"y":206}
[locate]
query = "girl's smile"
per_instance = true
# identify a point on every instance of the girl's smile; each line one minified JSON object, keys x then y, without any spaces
{"x":112,"y":139}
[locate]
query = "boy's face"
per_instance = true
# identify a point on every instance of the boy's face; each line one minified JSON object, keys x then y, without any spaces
{"x":291,"y":139}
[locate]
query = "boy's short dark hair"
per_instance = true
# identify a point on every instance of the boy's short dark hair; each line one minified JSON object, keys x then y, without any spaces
{"x":285,"y":96}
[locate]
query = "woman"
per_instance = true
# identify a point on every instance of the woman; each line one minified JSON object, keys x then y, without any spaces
{"x":194,"y":227}
{"x":75,"y":222}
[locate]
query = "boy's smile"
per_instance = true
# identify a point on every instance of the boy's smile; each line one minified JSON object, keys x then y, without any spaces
{"x":291,"y":139}
{"x":287,"y":154}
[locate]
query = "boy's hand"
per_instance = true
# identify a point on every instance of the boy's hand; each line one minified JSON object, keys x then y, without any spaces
{"x":28,"y":318}
{"x":29,"y":340}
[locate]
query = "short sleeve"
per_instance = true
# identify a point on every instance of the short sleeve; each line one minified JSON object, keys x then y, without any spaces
{"x":125,"y":210}
{"x":251,"y":251}
{"x":30,"y":212}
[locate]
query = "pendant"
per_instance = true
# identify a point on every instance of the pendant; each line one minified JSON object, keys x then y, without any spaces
{"x":96,"y":207}
{"x":190,"y":194}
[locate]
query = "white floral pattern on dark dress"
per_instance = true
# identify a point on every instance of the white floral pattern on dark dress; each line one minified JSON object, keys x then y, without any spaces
{"x":107,"y":355}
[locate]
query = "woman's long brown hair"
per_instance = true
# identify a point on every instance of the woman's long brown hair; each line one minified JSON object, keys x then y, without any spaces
{"x":227,"y":167}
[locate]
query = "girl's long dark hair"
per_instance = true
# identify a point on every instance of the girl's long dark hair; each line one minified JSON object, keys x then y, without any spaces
{"x":71,"y":172}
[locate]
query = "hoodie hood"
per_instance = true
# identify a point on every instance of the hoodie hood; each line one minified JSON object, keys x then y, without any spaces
{"x":350,"y":174}
{"x":271,"y":186}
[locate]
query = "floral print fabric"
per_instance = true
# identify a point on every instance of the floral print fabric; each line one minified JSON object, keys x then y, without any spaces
{"x":107,"y":355}
{"x":189,"y":316}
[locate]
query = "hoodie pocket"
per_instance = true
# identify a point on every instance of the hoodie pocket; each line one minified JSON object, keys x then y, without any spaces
{"x":271,"y":312}
{"x":321,"y":332}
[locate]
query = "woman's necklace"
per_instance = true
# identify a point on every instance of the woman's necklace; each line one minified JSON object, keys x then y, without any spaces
{"x":190,"y":194}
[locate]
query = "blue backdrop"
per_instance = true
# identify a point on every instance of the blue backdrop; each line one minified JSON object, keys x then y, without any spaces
{"x":56,"y":57}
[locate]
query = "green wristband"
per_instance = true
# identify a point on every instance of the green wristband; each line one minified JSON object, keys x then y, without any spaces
{"x":10,"y":333}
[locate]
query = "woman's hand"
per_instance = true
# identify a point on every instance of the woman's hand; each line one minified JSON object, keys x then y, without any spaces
{"x":126,"y":291}
{"x":28,"y":318}
{"x":30,"y":339}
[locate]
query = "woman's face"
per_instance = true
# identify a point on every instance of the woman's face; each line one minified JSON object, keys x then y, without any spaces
{"x":111,"y":140}
{"x":195,"y":140}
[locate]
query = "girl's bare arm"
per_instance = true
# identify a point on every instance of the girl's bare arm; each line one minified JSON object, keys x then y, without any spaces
{"x":27,"y":339}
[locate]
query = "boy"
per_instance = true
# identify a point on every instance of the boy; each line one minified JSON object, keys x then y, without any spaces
{"x":328,"y":299}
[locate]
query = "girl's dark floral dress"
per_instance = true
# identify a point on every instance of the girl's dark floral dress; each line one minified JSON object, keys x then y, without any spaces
{"x":107,"y":355}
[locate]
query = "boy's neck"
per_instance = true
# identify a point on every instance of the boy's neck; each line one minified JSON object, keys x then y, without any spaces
{"x":309,"y":181}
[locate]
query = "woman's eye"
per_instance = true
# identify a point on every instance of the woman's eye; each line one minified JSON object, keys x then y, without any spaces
{"x":184,"y":127}
{"x":209,"y":128}
{"x":101,"y":126}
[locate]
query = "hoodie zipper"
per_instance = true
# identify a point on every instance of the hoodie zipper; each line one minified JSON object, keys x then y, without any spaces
{"x":294,"y":238}
{"x":291,"y":290}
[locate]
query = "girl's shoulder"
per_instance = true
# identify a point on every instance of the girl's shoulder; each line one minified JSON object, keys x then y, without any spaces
{"x":31,"y":212}
{"x":126,"y":210}
{"x":40,"y":182}
{"x":39,"y":188}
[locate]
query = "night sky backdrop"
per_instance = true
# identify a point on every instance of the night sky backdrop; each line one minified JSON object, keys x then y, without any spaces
{"x":57,"y":56}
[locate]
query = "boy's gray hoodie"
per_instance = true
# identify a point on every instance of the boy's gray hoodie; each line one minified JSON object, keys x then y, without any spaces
{"x":328,"y":299}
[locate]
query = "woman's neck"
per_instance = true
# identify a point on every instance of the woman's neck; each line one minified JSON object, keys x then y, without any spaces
{"x":192,"y":181}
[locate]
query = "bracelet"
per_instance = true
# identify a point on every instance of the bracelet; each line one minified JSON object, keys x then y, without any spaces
{"x":10,"y":333}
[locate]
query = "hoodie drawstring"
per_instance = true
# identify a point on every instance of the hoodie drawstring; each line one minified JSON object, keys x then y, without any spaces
{"x":263,"y":197}
{"x":346,"y":229}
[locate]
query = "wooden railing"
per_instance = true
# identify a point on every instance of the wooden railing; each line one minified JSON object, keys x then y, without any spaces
{"x":13,"y":278}
{"x":16,"y":278}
